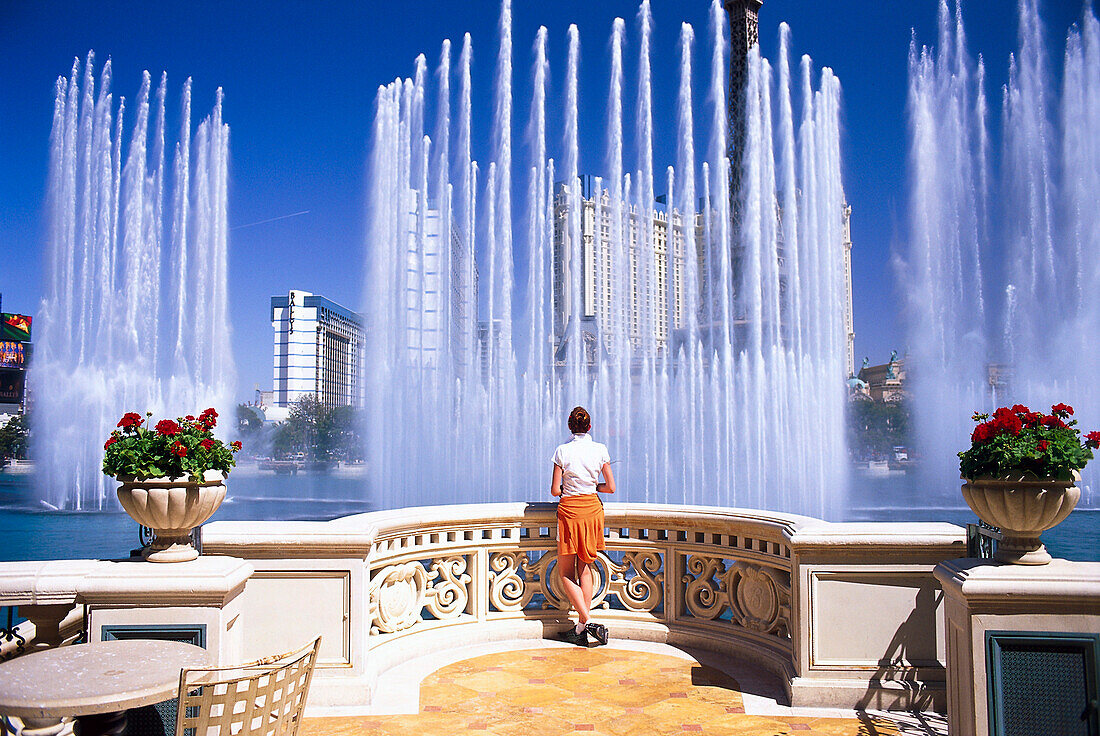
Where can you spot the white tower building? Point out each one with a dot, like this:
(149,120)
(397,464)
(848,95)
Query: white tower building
(651,274)
(318,350)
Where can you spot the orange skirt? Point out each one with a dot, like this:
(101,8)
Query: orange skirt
(580,526)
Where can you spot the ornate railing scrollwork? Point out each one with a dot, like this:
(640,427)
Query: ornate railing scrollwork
(704,593)
(734,578)
(508,591)
(449,597)
(642,591)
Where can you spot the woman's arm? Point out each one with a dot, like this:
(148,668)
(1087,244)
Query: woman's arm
(555,482)
(608,486)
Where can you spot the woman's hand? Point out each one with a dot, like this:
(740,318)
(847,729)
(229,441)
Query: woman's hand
(555,482)
(608,486)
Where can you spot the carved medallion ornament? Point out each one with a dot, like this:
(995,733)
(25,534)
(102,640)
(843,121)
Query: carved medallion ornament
(759,597)
(555,593)
(397,596)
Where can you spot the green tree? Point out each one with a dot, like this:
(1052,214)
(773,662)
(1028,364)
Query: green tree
(320,432)
(14,438)
(875,428)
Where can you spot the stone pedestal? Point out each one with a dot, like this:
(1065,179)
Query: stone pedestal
(869,616)
(982,596)
(196,601)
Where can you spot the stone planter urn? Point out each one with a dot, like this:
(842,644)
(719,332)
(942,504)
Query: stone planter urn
(1022,508)
(172,507)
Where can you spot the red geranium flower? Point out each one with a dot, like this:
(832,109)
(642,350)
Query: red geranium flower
(982,432)
(1062,410)
(1092,439)
(110,441)
(237,444)
(1004,420)
(1020,409)
(1052,421)
(179,449)
(168,428)
(1042,446)
(130,419)
(206,444)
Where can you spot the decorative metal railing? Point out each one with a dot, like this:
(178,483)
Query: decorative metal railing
(981,540)
(13,636)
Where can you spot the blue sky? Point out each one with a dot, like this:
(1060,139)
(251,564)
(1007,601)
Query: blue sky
(300,80)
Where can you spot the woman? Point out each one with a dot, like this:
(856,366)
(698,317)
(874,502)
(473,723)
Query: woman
(577,468)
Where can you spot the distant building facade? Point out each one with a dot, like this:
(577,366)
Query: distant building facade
(650,287)
(318,351)
(849,314)
(649,297)
(886,382)
(436,320)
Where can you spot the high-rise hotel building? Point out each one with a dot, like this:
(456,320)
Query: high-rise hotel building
(318,350)
(655,274)
(440,295)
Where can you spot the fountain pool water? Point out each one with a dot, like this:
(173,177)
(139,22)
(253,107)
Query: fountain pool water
(486,318)
(134,316)
(1004,255)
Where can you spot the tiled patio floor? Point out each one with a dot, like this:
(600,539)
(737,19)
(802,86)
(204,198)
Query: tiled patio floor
(604,690)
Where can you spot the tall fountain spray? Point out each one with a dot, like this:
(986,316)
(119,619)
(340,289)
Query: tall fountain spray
(1004,249)
(135,314)
(711,356)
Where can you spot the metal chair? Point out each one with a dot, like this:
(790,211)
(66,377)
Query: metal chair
(261,698)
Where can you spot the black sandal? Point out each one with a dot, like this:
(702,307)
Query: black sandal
(571,636)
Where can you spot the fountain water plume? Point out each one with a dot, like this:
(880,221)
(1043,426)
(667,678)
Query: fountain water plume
(135,311)
(698,349)
(1000,265)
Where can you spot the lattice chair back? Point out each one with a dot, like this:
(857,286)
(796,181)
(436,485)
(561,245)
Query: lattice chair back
(262,698)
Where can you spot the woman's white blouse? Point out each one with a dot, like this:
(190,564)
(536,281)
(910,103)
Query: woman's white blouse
(580,461)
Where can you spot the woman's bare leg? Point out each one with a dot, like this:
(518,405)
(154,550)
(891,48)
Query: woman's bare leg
(567,564)
(584,576)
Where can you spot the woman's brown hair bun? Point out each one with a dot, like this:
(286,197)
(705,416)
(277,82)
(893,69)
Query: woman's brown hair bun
(579,421)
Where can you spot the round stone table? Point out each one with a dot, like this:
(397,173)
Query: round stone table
(95,682)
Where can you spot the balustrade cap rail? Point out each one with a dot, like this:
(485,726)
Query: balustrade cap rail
(290,538)
(52,582)
(209,581)
(1059,583)
(848,535)
(361,527)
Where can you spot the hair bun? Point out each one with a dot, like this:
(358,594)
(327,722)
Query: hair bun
(579,420)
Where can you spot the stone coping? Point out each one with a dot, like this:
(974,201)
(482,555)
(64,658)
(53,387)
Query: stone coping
(207,581)
(1059,583)
(353,535)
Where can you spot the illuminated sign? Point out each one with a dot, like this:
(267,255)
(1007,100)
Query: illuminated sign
(12,354)
(15,327)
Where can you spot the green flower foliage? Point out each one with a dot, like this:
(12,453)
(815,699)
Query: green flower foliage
(172,449)
(1017,441)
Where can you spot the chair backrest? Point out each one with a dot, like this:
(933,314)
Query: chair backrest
(261,698)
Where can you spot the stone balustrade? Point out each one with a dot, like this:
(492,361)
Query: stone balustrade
(843,614)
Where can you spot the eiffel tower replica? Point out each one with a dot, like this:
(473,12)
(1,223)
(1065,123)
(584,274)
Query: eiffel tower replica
(744,20)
